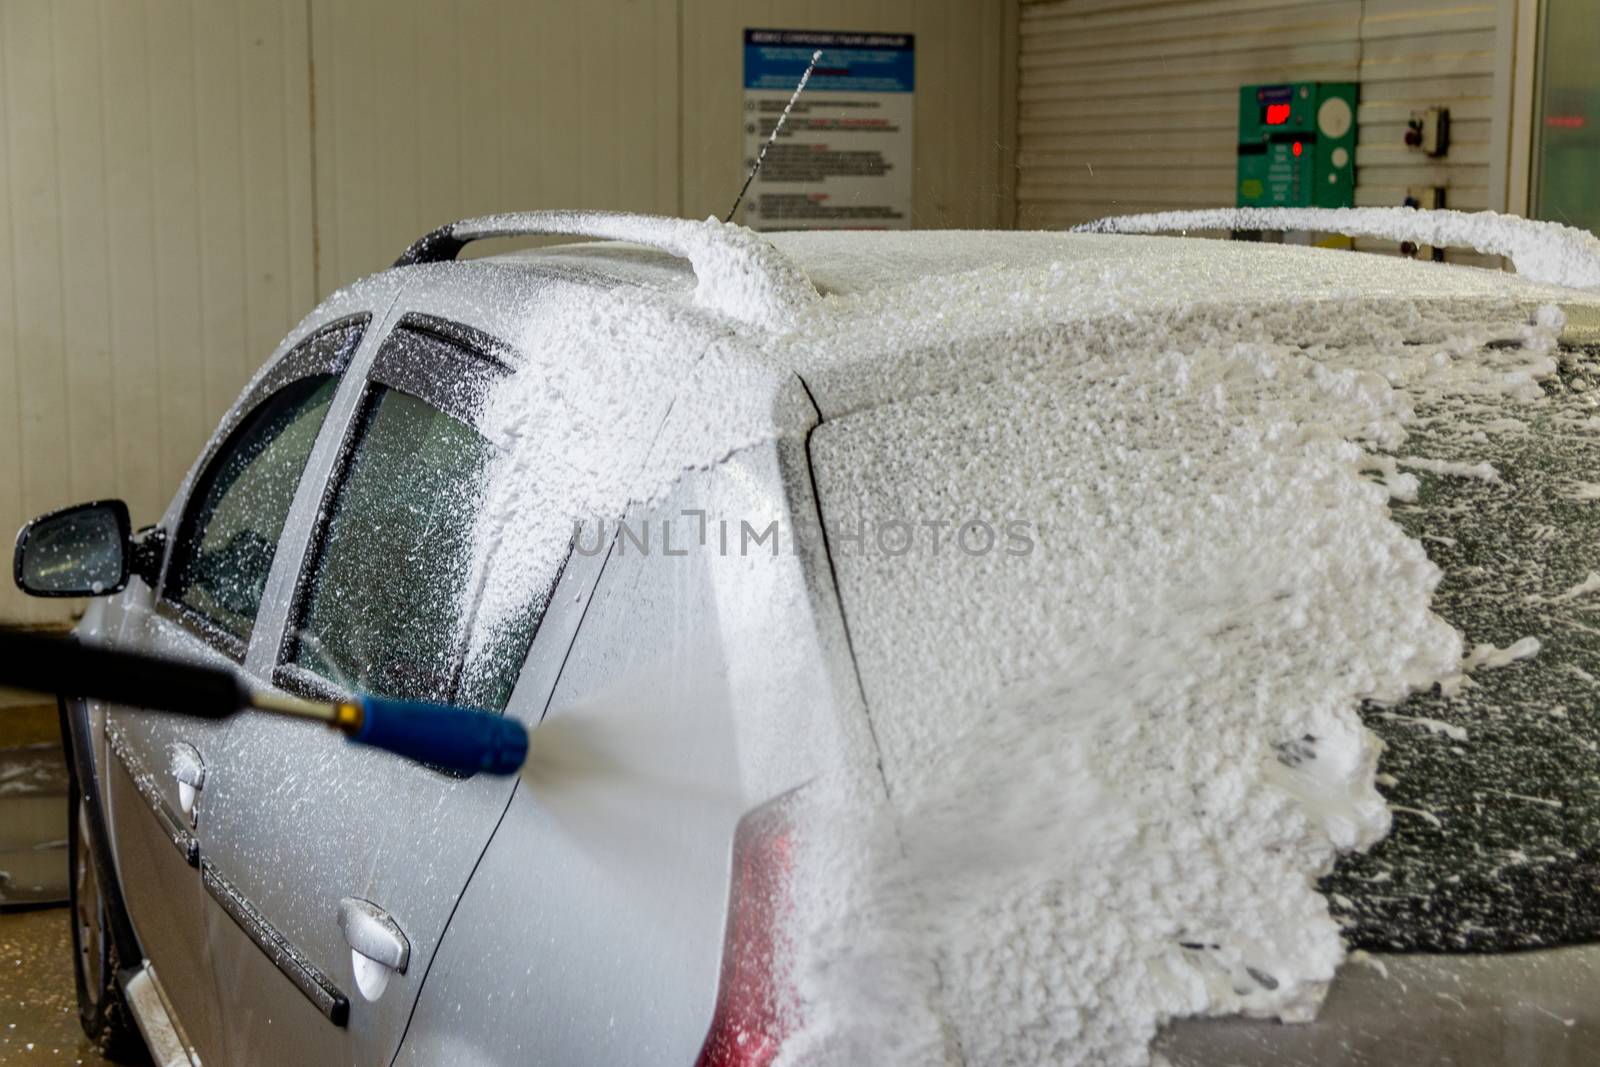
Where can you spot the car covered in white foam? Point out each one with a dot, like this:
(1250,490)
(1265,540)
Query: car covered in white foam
(936,647)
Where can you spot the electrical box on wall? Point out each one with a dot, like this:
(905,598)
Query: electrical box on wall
(1297,145)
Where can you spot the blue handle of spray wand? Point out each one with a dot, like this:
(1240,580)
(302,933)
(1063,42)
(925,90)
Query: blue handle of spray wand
(459,739)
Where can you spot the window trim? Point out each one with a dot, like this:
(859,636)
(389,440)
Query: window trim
(470,358)
(496,358)
(485,346)
(302,682)
(301,361)
(224,641)
(304,360)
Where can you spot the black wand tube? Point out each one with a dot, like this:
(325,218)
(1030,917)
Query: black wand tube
(71,668)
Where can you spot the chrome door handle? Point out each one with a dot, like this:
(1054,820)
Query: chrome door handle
(190,771)
(378,947)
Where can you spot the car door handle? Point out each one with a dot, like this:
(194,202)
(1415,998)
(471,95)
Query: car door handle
(378,947)
(190,771)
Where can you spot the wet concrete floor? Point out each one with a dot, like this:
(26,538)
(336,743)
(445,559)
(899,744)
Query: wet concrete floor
(38,1006)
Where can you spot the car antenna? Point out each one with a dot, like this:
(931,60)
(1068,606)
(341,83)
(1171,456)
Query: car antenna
(756,169)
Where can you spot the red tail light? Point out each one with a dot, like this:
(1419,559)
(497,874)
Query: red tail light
(753,1011)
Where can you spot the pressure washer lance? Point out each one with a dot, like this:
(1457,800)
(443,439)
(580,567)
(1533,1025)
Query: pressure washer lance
(454,738)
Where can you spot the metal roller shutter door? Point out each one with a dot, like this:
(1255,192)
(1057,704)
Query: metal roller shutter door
(1132,105)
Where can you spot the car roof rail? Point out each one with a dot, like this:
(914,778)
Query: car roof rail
(1540,251)
(738,273)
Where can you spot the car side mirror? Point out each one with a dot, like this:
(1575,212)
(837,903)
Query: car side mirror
(84,550)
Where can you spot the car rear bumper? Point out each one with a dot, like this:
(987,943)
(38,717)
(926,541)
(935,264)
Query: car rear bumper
(1528,1007)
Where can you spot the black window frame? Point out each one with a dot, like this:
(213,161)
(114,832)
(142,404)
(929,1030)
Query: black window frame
(445,364)
(310,358)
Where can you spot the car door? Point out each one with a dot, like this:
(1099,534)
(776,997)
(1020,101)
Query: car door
(224,537)
(337,867)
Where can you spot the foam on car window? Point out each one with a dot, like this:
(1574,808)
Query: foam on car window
(387,609)
(229,535)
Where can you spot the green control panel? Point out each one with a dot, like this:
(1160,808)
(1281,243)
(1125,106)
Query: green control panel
(1297,145)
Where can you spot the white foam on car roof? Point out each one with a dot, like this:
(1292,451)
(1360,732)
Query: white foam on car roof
(1118,763)
(1109,811)
(577,428)
(739,273)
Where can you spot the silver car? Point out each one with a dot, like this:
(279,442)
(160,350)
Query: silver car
(255,891)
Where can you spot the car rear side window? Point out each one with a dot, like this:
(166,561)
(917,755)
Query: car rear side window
(229,532)
(393,589)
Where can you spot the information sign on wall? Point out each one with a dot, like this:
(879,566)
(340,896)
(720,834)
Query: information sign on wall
(843,159)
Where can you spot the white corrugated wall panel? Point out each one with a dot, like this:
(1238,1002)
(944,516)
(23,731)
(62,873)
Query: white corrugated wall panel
(155,234)
(426,113)
(1132,105)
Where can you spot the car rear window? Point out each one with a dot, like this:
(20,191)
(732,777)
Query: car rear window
(1496,790)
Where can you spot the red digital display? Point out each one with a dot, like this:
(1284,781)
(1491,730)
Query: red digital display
(1277,114)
